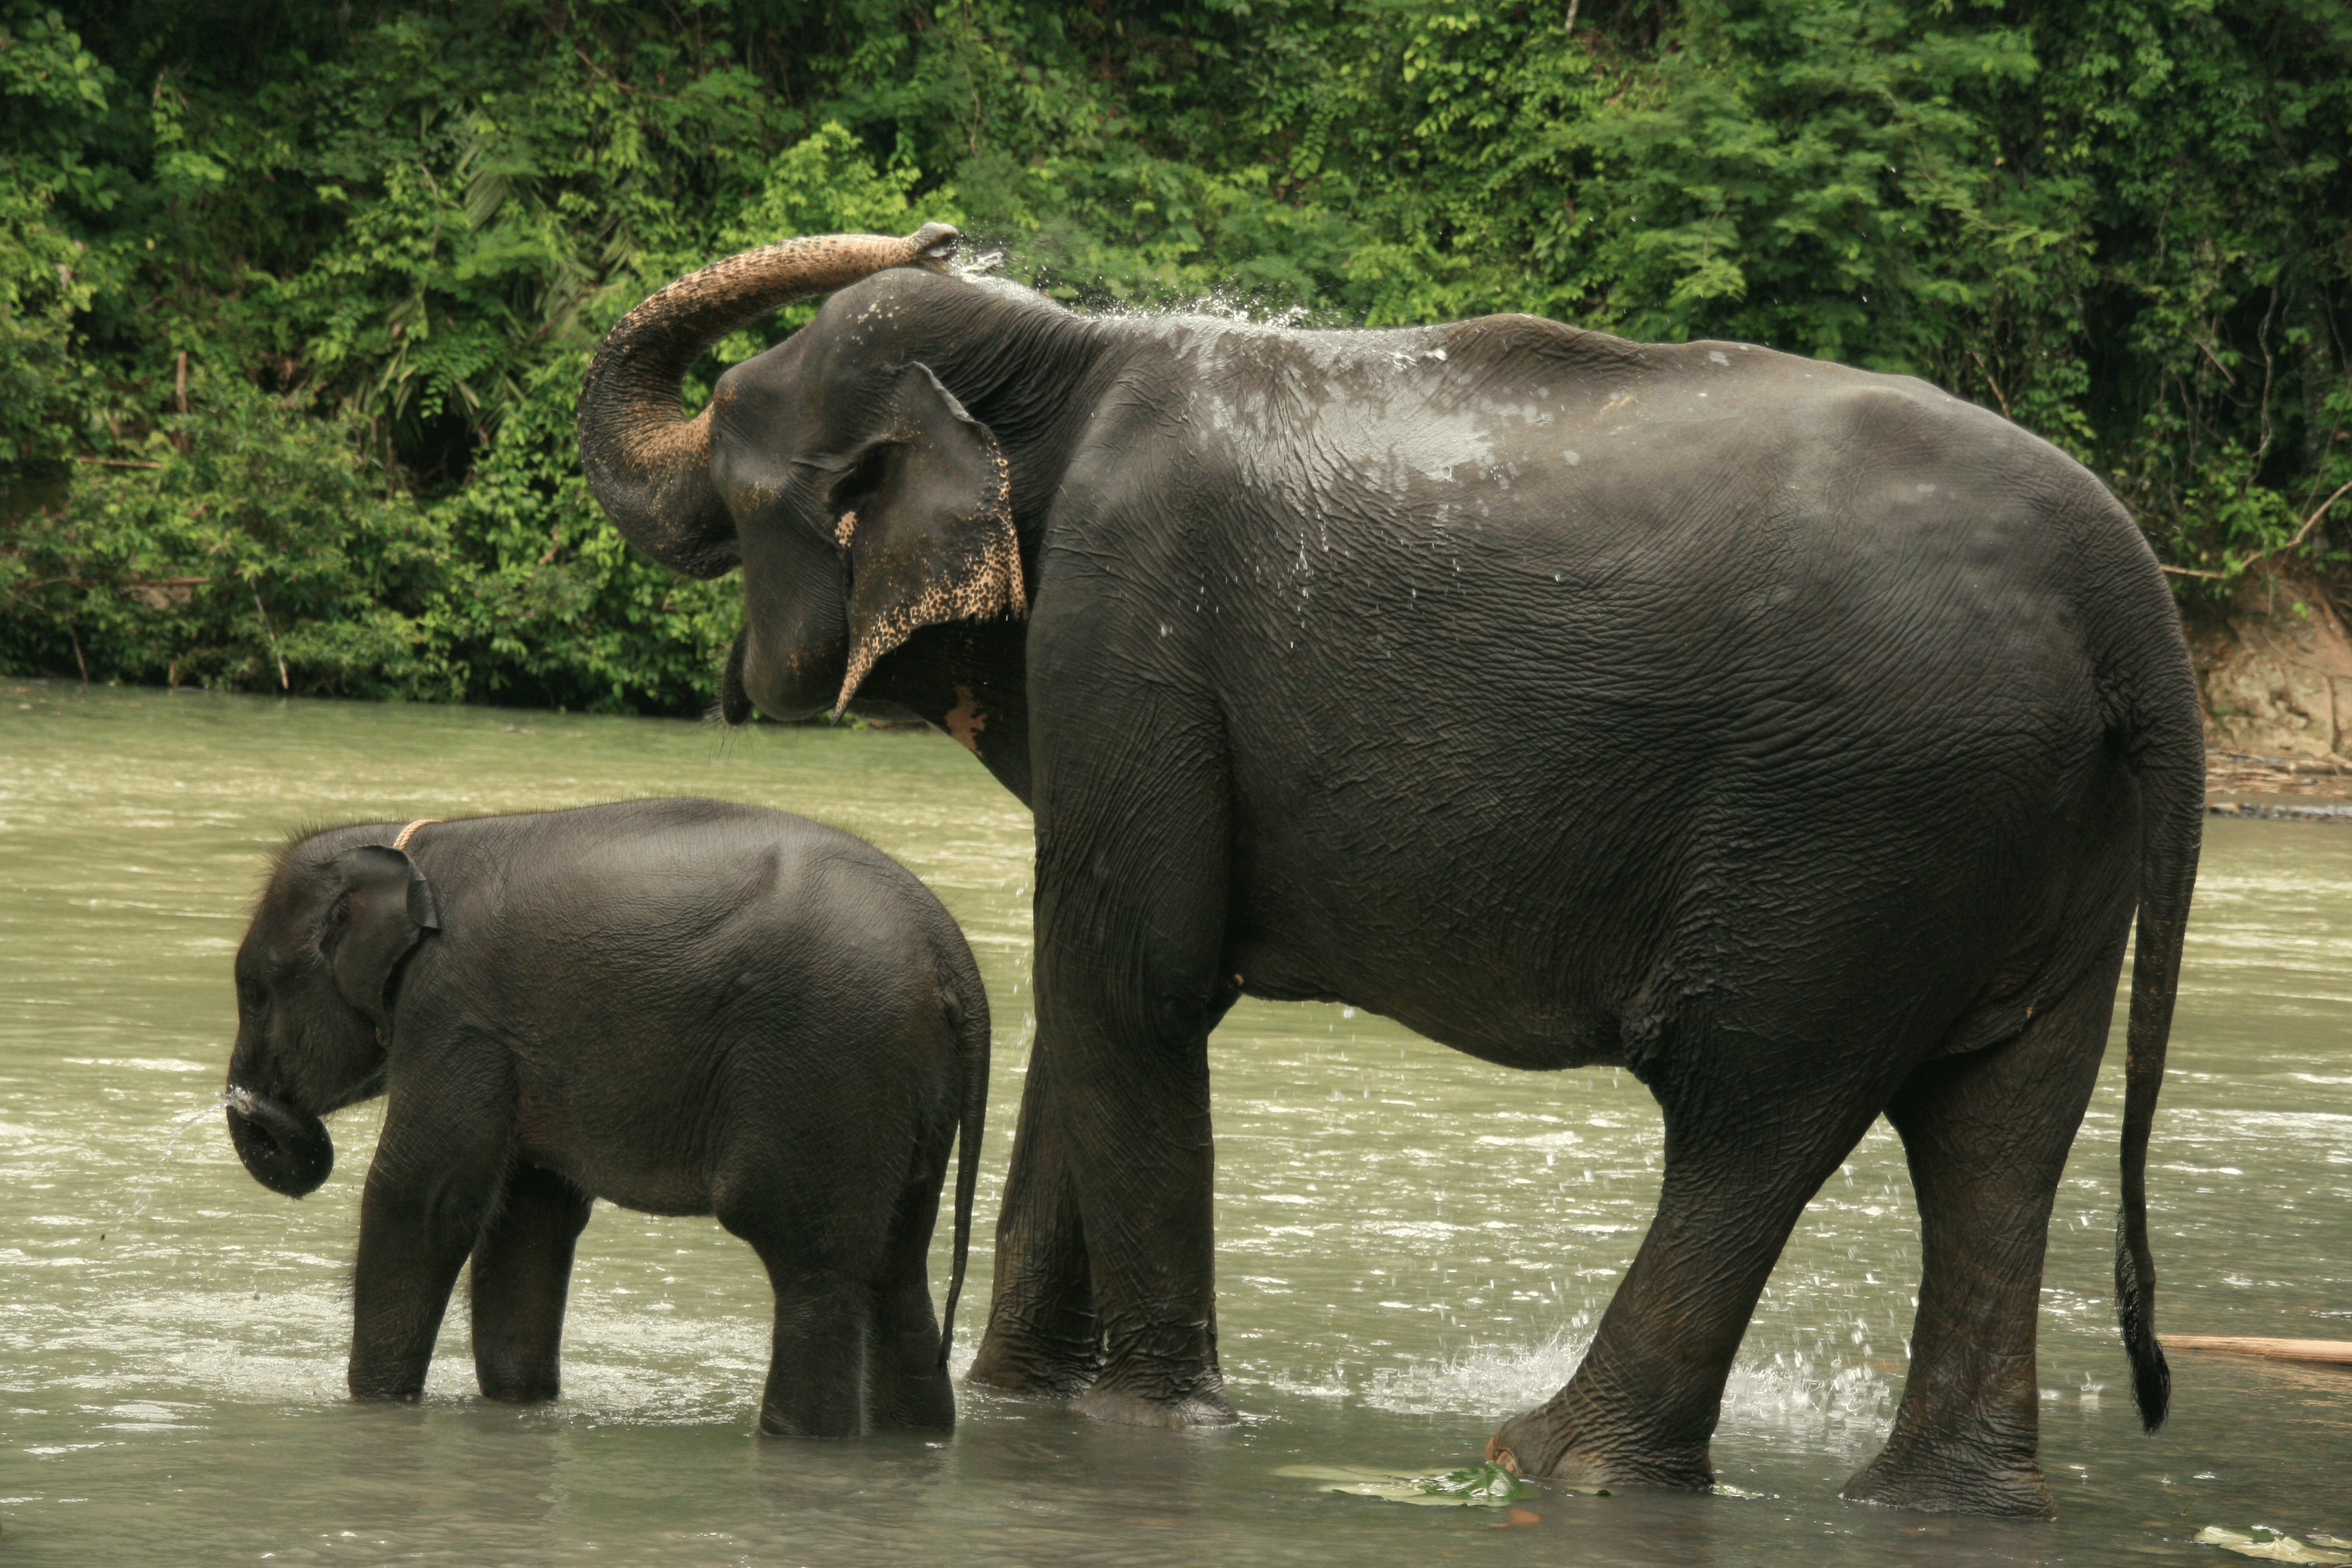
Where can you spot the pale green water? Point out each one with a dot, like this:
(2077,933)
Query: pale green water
(1410,1242)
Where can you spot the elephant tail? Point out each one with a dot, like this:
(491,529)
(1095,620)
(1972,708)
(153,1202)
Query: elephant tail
(2171,769)
(969,1020)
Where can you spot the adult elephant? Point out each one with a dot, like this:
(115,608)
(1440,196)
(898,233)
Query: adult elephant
(1798,738)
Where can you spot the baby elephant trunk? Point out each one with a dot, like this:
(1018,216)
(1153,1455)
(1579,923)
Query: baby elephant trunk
(287,1149)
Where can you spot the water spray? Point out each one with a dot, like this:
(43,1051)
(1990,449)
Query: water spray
(237,1099)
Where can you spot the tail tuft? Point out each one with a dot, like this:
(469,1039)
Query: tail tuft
(2136,1315)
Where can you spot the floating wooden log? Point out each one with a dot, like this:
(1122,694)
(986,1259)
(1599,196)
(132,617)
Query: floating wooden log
(2321,1352)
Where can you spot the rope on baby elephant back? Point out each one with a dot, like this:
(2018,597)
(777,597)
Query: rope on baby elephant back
(409,832)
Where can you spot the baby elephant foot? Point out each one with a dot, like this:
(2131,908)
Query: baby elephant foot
(525,1386)
(1541,1446)
(1208,1408)
(1960,1484)
(915,1402)
(516,1369)
(392,1384)
(823,1425)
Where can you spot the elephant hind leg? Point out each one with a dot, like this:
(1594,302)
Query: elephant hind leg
(906,1383)
(521,1273)
(1740,1169)
(1987,1136)
(817,1351)
(820,1265)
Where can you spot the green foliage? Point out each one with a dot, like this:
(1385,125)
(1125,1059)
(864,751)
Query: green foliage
(42,388)
(47,82)
(386,234)
(423,233)
(246,549)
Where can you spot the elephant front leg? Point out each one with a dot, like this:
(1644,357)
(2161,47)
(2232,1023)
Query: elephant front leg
(1131,877)
(521,1273)
(1042,1335)
(419,1218)
(1146,1160)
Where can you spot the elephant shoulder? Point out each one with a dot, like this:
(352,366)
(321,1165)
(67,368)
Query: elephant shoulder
(1139,469)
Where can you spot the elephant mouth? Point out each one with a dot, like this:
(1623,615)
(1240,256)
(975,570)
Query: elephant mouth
(288,1151)
(734,702)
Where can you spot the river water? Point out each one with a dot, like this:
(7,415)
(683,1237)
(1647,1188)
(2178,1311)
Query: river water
(1411,1244)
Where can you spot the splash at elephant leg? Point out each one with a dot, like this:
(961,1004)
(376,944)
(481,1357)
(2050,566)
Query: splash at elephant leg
(1642,1406)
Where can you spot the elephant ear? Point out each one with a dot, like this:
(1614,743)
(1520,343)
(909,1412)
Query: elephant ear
(382,904)
(925,520)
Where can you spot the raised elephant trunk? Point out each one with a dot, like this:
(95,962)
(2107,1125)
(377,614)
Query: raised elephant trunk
(649,467)
(288,1151)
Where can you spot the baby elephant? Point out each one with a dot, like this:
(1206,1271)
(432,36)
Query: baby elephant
(683,1006)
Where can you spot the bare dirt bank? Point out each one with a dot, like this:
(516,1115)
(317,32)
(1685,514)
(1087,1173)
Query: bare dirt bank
(2275,674)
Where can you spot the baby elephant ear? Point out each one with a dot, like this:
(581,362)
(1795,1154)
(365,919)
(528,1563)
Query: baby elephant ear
(928,526)
(384,904)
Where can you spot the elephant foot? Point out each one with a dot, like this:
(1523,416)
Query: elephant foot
(1541,1446)
(1208,1408)
(1032,1366)
(1954,1484)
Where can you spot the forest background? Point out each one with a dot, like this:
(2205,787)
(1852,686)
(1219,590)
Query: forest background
(295,299)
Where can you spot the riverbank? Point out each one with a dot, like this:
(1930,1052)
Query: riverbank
(2289,788)
(2274,678)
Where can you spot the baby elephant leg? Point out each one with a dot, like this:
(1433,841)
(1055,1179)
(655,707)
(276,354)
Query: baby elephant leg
(521,1270)
(816,1366)
(427,1192)
(816,1363)
(906,1381)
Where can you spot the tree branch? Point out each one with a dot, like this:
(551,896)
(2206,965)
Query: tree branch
(2300,535)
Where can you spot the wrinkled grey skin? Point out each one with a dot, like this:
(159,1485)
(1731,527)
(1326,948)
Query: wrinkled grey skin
(681,1006)
(1798,738)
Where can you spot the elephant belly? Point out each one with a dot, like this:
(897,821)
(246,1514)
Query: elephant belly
(605,1156)
(1537,1037)
(1502,978)
(1507,892)
(647,1192)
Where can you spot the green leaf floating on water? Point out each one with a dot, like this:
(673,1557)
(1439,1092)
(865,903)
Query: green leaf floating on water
(2278,1547)
(1481,1486)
